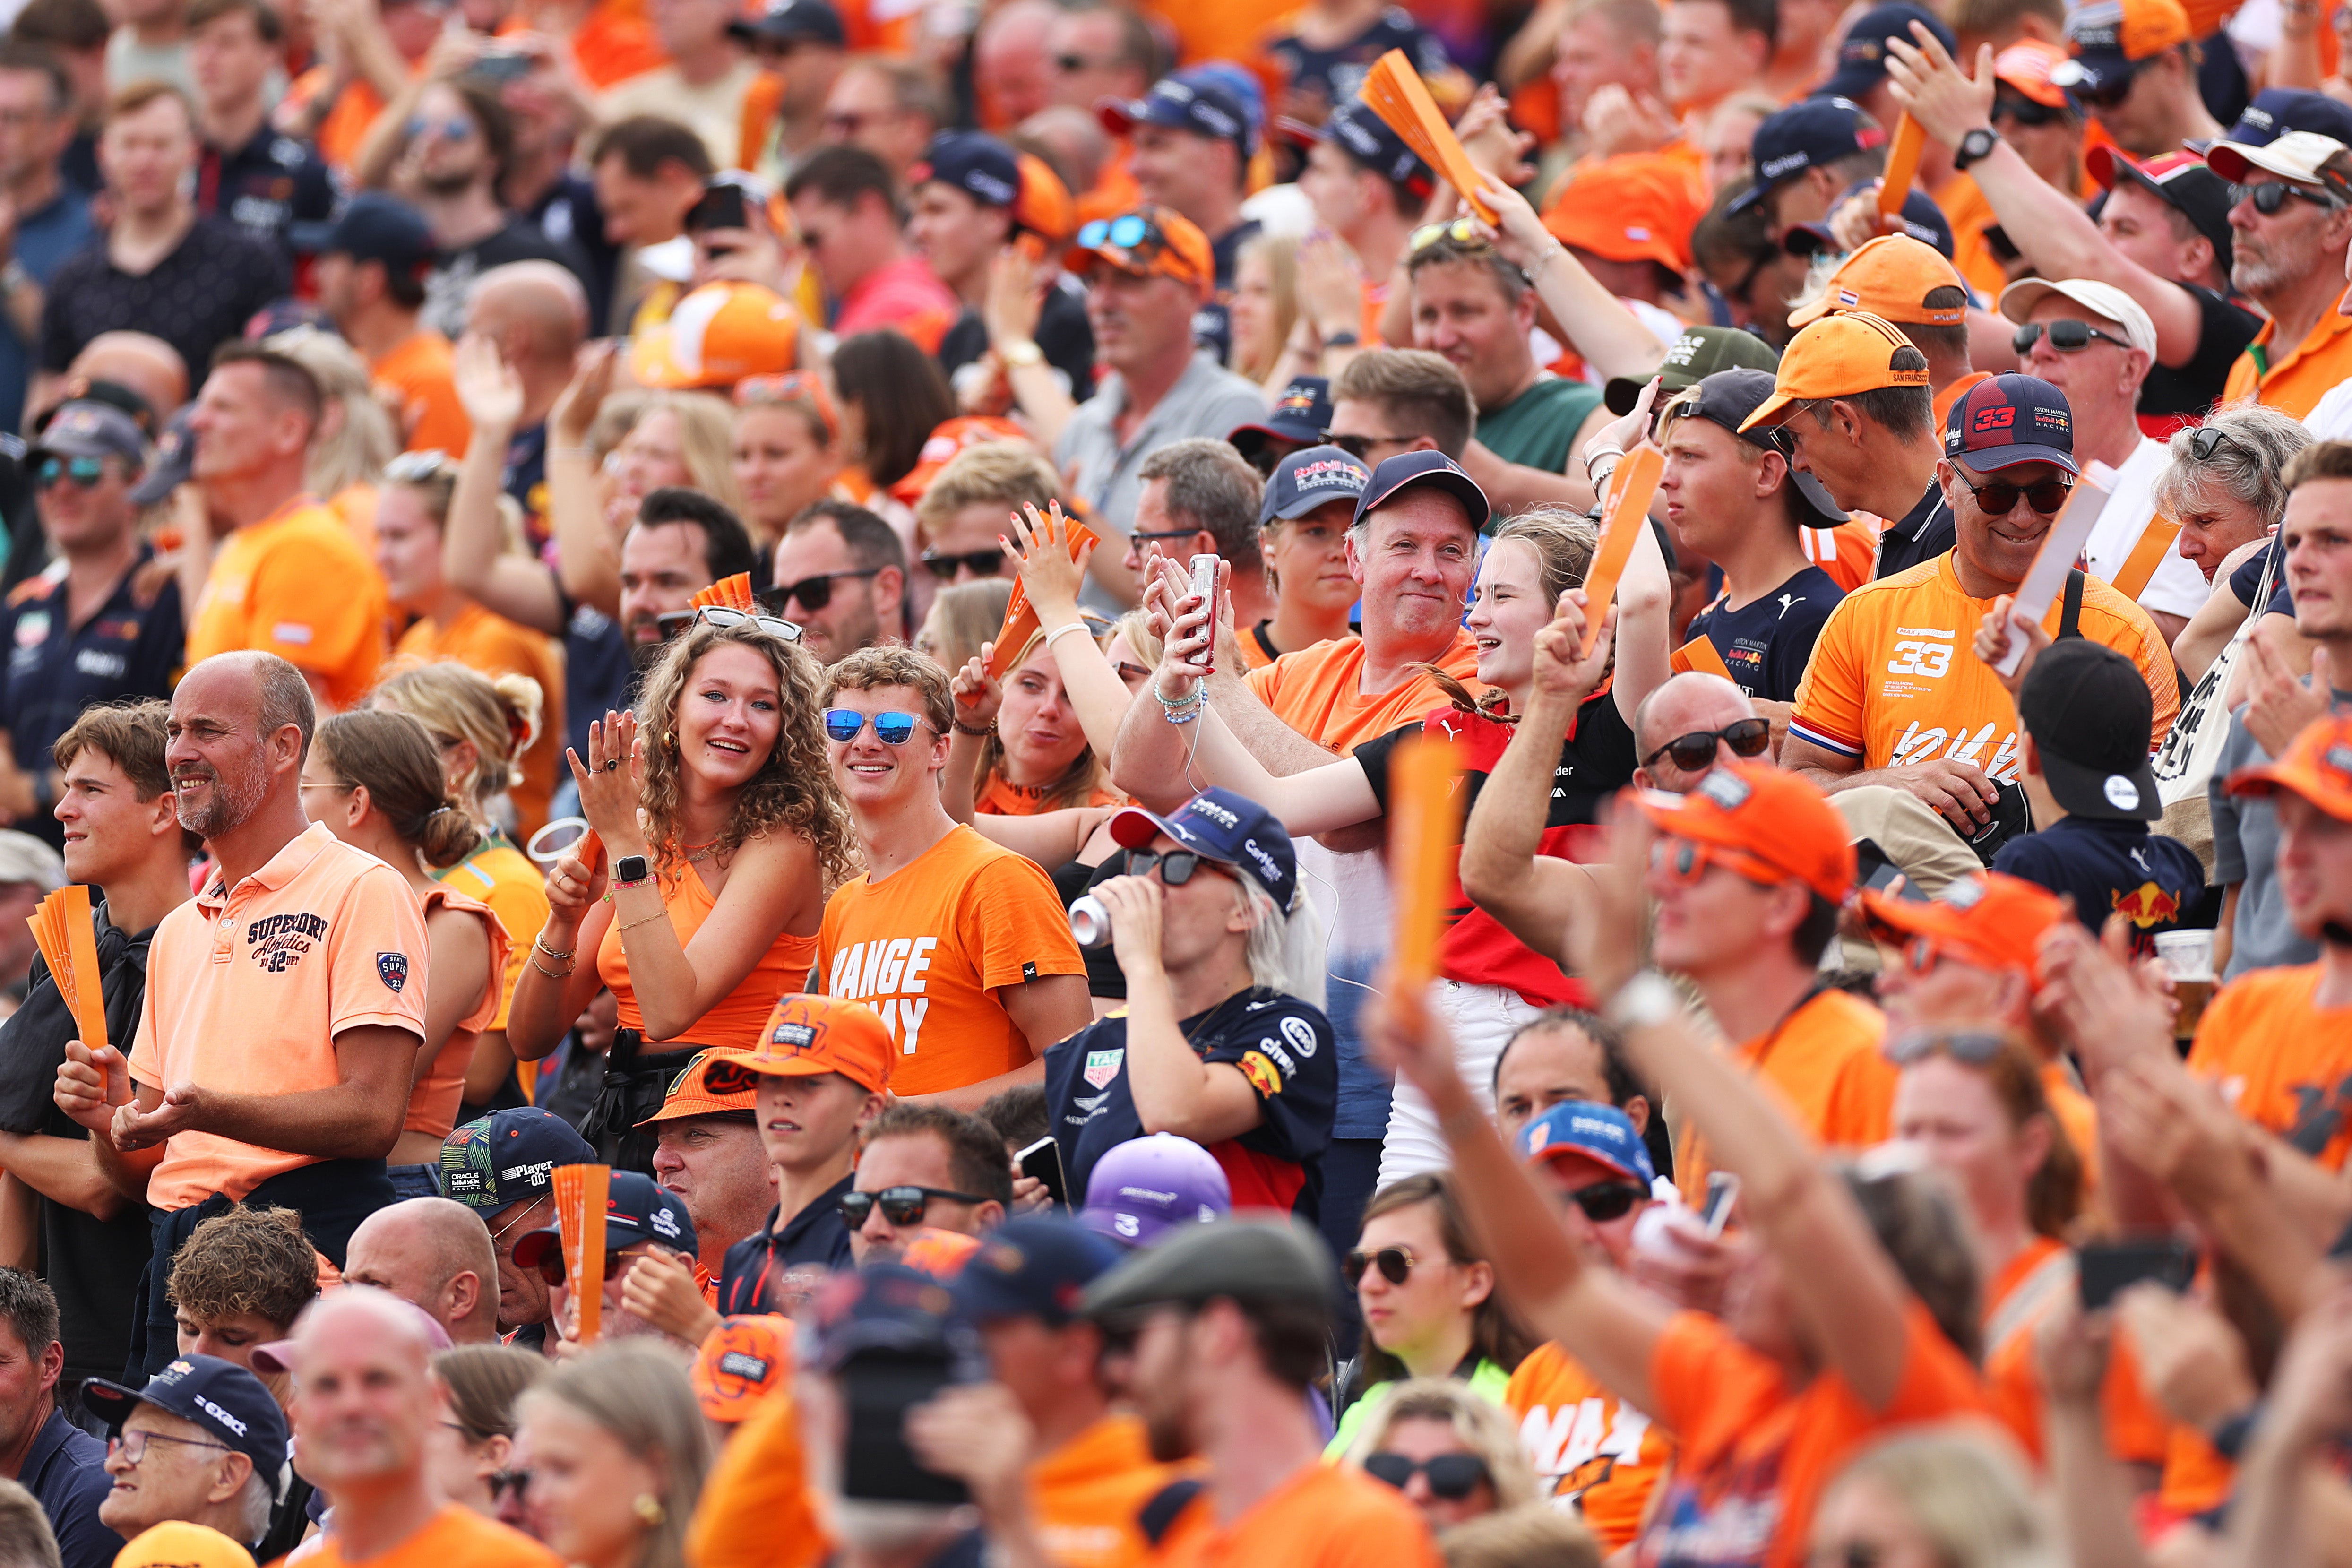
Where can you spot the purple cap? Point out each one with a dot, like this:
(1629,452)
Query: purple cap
(1600,1134)
(1146,1187)
(2009,420)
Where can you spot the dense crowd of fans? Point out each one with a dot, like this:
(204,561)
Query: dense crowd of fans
(822,609)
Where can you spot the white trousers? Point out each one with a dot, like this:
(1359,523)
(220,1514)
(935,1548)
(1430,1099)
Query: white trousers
(1482,1018)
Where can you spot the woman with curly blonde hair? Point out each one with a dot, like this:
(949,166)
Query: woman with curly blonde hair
(721,836)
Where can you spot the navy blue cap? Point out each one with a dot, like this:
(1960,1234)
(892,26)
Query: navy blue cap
(87,428)
(1923,220)
(1034,1266)
(2276,111)
(2009,420)
(1434,469)
(882,1307)
(1189,100)
(974,163)
(372,226)
(174,463)
(1230,830)
(1804,136)
(1601,1134)
(220,1396)
(636,1208)
(1299,415)
(1862,58)
(1310,477)
(1369,139)
(1727,398)
(509,1157)
(793,21)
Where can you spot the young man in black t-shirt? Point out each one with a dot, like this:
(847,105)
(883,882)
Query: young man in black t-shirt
(1733,500)
(1209,1045)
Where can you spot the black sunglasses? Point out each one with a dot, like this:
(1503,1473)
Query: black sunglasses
(2268,199)
(1360,447)
(1998,499)
(1451,1476)
(2109,96)
(504,1481)
(1605,1201)
(2208,441)
(2024,110)
(2066,336)
(1176,866)
(812,593)
(1395,1263)
(900,1205)
(550,1265)
(1746,737)
(983,564)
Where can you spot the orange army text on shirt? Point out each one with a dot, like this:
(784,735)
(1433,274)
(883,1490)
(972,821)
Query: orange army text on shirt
(248,986)
(928,947)
(294,584)
(1894,678)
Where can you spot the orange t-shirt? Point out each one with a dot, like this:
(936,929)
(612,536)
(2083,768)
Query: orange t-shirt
(614,44)
(1824,1063)
(929,947)
(2281,1061)
(1002,797)
(2293,382)
(1325,1516)
(457,1537)
(516,891)
(758,1510)
(420,377)
(495,645)
(248,986)
(1754,1453)
(1318,692)
(1894,678)
(432,1103)
(1952,392)
(2016,1300)
(1848,553)
(294,584)
(1592,1452)
(736,1018)
(1086,1495)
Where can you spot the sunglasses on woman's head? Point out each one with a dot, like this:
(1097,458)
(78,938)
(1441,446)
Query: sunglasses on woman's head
(1175,867)
(1746,737)
(2067,336)
(900,1205)
(1451,1476)
(844,724)
(722,616)
(1605,1201)
(84,472)
(419,467)
(981,563)
(2207,441)
(1395,1263)
(1999,498)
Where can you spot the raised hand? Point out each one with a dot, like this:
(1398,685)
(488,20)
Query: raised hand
(487,387)
(1049,572)
(612,781)
(592,381)
(1929,84)
(1134,905)
(986,693)
(1561,669)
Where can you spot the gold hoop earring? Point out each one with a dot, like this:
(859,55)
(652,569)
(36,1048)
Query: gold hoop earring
(669,741)
(650,1512)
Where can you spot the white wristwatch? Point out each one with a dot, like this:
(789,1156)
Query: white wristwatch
(1644,1001)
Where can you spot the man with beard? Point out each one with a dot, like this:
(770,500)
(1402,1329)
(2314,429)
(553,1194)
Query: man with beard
(255,422)
(682,542)
(459,142)
(2289,231)
(367,1404)
(1227,1325)
(278,1039)
(646,1229)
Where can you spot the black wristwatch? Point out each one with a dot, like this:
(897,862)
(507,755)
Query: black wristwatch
(629,870)
(1976,144)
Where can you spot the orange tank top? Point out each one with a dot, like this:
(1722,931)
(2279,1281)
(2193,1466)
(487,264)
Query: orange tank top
(432,1103)
(734,1020)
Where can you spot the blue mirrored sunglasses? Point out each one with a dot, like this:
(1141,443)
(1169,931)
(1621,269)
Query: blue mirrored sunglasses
(1126,231)
(844,724)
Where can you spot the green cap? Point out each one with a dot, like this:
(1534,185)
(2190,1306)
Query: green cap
(1698,353)
(1247,1260)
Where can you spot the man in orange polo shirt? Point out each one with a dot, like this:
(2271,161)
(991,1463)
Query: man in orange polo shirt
(1227,1322)
(2290,229)
(287,579)
(1096,1497)
(371,277)
(285,1002)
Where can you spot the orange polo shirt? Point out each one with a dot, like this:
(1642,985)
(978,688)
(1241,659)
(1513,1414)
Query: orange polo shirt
(418,378)
(248,986)
(1087,1495)
(2293,382)
(495,645)
(294,584)
(1325,1516)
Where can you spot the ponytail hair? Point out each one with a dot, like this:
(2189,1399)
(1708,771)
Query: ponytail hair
(392,756)
(502,715)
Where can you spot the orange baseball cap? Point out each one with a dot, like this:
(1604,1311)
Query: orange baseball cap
(1985,919)
(741,1362)
(176,1543)
(715,336)
(1891,277)
(689,1094)
(2317,766)
(2026,66)
(808,1036)
(1149,241)
(1836,356)
(941,1254)
(1638,207)
(1775,825)
(946,442)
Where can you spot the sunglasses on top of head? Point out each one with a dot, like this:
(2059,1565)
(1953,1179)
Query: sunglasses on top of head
(1999,498)
(674,622)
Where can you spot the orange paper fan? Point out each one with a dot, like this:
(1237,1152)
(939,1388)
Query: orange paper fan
(729,593)
(1627,513)
(68,943)
(1021,616)
(1902,164)
(1394,90)
(1424,830)
(581,1195)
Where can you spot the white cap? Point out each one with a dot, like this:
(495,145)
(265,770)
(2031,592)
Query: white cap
(25,859)
(2296,156)
(2017,300)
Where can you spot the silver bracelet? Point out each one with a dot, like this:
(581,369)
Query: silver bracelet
(1643,1002)
(1612,453)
